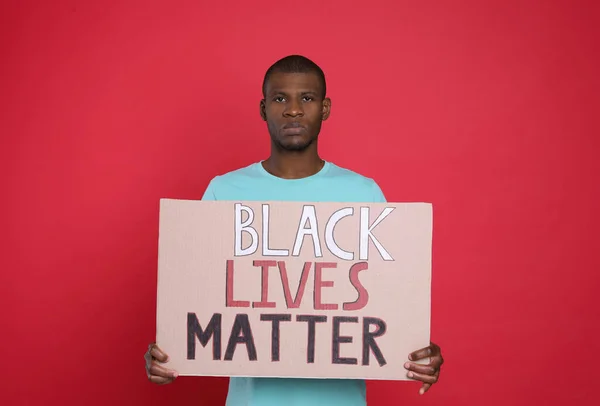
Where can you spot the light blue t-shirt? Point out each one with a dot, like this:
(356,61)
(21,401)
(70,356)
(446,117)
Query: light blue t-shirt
(331,184)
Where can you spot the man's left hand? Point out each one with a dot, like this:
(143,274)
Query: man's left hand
(426,373)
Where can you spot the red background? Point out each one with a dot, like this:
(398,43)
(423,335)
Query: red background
(488,109)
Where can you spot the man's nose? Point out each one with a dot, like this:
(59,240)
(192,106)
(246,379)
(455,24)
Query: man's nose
(293,109)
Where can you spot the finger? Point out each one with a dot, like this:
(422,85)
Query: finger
(423,377)
(159,380)
(420,354)
(160,371)
(158,354)
(428,369)
(427,386)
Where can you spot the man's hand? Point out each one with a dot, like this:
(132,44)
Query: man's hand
(428,373)
(157,373)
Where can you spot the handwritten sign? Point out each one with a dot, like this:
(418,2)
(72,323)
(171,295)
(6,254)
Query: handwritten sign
(290,289)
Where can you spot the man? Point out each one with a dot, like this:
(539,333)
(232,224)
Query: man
(294,107)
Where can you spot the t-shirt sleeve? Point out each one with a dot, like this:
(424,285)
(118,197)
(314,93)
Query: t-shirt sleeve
(209,193)
(378,196)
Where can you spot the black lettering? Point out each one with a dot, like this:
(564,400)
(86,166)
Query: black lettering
(369,340)
(241,325)
(195,330)
(310,348)
(275,319)
(337,340)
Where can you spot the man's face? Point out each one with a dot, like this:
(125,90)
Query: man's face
(294,109)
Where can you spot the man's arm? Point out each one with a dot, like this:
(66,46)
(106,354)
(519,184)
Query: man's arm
(378,196)
(210,192)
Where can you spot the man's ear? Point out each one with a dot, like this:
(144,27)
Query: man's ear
(326,109)
(263,111)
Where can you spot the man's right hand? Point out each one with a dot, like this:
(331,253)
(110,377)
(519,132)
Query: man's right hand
(157,373)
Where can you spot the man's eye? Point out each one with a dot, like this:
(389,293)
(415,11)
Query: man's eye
(279,99)
(307,98)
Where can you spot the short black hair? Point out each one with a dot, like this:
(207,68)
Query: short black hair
(295,64)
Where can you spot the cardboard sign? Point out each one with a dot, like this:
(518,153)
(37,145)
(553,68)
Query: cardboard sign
(288,289)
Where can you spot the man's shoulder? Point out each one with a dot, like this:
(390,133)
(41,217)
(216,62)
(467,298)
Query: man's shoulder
(224,184)
(243,173)
(348,175)
(353,185)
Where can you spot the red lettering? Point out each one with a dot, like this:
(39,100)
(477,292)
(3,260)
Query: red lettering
(363,294)
(265,265)
(229,302)
(320,283)
(286,284)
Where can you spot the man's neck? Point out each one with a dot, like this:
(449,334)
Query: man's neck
(293,165)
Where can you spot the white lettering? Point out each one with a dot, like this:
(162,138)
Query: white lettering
(244,226)
(365,234)
(308,214)
(330,240)
(265,237)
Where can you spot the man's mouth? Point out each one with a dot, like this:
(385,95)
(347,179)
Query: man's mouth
(293,129)
(292,125)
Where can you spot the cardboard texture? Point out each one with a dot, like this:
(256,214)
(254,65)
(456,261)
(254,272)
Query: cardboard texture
(291,289)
